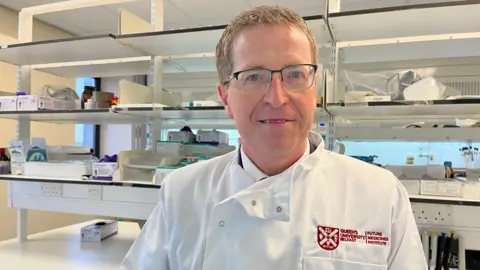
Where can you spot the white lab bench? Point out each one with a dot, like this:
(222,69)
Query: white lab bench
(129,200)
(61,249)
(103,198)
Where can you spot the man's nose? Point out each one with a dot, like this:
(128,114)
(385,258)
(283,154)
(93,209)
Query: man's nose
(277,94)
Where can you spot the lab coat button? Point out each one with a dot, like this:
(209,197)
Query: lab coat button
(254,203)
(279,209)
(221,223)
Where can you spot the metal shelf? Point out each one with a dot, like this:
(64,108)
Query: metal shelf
(403,21)
(194,115)
(67,50)
(427,52)
(199,40)
(127,67)
(24,178)
(378,111)
(408,134)
(128,115)
(443,200)
(101,68)
(98,116)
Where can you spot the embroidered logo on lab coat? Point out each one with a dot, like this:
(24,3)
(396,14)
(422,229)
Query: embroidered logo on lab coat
(329,238)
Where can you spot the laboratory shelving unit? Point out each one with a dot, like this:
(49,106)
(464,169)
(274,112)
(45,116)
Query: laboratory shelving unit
(413,36)
(440,37)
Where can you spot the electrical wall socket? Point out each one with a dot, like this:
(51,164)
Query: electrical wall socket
(436,214)
(51,190)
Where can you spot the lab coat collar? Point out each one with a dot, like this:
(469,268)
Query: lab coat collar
(271,197)
(252,170)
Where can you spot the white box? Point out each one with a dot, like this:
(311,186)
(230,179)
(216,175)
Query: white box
(377,98)
(99,231)
(34,102)
(171,148)
(412,186)
(162,172)
(206,103)
(104,169)
(207,150)
(8,103)
(181,136)
(69,170)
(212,136)
(441,188)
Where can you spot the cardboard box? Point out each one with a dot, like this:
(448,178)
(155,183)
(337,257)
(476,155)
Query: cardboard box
(100,96)
(441,188)
(34,103)
(99,231)
(104,170)
(104,104)
(8,103)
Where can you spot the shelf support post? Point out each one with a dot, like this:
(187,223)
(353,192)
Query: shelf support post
(24,76)
(156,73)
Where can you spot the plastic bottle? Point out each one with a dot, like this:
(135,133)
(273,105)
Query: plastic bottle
(90,104)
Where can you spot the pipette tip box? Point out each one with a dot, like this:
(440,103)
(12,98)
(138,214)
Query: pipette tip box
(99,231)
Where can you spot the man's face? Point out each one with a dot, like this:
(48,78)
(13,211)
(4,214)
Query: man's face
(272,119)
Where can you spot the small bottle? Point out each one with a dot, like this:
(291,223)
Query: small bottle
(410,160)
(90,104)
(87,94)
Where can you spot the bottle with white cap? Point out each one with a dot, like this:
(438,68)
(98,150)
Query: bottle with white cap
(90,104)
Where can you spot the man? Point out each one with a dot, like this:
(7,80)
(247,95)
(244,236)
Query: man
(281,201)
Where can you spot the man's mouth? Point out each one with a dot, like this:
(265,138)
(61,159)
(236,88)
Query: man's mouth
(275,121)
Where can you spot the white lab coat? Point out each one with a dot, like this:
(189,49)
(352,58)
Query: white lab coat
(330,212)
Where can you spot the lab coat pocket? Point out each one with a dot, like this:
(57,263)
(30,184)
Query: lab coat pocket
(318,263)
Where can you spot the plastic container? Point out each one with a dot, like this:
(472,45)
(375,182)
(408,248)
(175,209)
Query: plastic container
(90,104)
(368,159)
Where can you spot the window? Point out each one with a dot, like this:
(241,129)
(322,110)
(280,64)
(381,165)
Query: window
(395,153)
(84,134)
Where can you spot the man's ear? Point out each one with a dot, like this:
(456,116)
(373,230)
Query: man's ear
(223,93)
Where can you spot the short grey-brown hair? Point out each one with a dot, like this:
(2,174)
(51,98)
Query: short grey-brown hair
(261,15)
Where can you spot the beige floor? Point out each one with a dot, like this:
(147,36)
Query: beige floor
(38,221)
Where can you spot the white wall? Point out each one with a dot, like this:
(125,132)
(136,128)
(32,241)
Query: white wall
(41,31)
(114,138)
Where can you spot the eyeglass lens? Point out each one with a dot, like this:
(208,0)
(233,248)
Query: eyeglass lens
(295,78)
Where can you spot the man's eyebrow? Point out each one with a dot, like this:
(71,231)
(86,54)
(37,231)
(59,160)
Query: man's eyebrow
(254,67)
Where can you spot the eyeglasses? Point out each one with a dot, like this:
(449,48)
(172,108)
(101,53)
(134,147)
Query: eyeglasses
(294,77)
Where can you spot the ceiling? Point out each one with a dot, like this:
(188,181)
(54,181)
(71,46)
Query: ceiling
(178,13)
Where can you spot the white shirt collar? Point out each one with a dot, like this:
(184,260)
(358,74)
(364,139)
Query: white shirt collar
(256,173)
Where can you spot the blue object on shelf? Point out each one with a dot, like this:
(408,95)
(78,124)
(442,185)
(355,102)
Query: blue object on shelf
(369,159)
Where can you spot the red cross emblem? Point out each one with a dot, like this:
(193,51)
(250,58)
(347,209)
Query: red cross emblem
(328,238)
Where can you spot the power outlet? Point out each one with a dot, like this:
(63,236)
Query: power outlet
(51,190)
(433,214)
